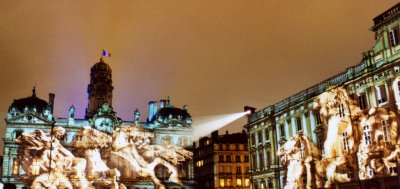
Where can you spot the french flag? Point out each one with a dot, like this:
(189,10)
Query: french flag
(106,54)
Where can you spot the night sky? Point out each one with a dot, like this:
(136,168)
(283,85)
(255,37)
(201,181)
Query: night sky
(214,56)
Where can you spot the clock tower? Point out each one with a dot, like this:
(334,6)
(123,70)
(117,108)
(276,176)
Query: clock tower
(100,87)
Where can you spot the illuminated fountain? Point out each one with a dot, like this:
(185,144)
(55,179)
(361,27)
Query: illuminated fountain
(93,162)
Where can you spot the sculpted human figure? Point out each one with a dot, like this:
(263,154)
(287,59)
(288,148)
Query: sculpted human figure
(298,153)
(51,159)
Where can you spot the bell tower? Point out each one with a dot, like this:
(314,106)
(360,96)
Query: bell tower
(100,87)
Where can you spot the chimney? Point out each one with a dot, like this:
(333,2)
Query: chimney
(162,103)
(51,101)
(155,108)
(227,132)
(214,136)
(151,111)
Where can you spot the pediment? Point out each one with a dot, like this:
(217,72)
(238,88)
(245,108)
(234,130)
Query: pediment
(29,118)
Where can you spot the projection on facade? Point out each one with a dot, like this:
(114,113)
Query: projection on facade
(100,151)
(358,144)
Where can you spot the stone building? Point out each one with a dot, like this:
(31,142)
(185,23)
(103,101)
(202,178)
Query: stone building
(222,161)
(32,130)
(342,131)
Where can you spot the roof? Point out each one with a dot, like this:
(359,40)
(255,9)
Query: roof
(30,102)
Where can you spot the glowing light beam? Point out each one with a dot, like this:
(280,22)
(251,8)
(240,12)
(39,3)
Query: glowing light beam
(206,124)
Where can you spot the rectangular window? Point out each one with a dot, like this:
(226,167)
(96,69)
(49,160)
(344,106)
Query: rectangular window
(254,158)
(282,130)
(228,182)
(345,142)
(266,135)
(15,167)
(247,182)
(381,94)
(238,182)
(221,169)
(268,157)
(238,170)
(298,124)
(321,145)
(246,158)
(228,169)
(253,139)
(228,158)
(362,101)
(341,110)
(261,157)
(221,158)
(237,158)
(386,130)
(260,138)
(317,118)
(221,182)
(394,37)
(367,134)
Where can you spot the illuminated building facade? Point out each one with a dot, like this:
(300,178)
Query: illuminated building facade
(100,151)
(342,132)
(222,161)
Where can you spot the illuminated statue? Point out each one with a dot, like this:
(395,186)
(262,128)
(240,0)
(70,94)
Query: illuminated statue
(353,138)
(137,116)
(46,160)
(133,145)
(71,112)
(88,143)
(299,153)
(378,152)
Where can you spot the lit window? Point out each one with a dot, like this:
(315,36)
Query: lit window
(35,167)
(228,182)
(15,168)
(221,182)
(238,182)
(247,182)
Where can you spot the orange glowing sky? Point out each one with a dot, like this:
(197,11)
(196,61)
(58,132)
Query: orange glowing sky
(215,56)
